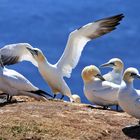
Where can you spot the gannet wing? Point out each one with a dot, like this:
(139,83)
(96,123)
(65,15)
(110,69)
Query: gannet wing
(78,39)
(107,76)
(14,53)
(106,87)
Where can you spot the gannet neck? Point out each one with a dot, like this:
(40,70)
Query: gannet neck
(41,59)
(118,69)
(129,84)
(118,72)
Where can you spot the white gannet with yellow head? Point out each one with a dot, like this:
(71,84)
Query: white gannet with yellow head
(54,74)
(116,74)
(129,97)
(97,90)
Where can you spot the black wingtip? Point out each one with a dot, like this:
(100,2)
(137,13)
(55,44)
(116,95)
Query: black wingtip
(117,17)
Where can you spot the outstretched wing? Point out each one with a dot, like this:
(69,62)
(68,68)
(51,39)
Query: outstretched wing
(14,53)
(78,39)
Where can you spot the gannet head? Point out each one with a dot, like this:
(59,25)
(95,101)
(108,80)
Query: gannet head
(130,74)
(76,98)
(37,54)
(90,72)
(114,63)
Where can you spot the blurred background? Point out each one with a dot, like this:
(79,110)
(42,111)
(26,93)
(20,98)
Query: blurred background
(46,24)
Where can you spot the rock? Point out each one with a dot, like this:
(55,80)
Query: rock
(57,120)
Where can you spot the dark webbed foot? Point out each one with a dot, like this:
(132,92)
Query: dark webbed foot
(117,107)
(62,97)
(54,96)
(105,107)
(9,98)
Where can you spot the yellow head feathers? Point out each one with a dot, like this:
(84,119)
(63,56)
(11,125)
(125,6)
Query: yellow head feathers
(89,72)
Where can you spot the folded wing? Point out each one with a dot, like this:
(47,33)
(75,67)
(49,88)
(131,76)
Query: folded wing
(78,39)
(17,81)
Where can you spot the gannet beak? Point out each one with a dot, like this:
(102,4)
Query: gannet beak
(100,77)
(137,76)
(107,65)
(32,51)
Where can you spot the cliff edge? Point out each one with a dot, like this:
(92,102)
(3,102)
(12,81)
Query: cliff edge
(57,120)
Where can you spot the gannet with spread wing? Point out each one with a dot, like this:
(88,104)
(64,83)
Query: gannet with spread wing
(53,74)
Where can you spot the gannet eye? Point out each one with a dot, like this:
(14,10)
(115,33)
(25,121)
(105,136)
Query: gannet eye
(36,52)
(133,74)
(112,63)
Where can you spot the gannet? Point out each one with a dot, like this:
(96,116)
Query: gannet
(116,74)
(129,97)
(13,83)
(96,89)
(54,74)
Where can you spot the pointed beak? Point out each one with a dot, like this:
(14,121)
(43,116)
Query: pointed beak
(105,65)
(111,64)
(32,51)
(100,77)
(137,76)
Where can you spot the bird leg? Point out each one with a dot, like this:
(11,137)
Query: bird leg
(62,97)
(10,98)
(54,96)
(6,95)
(117,107)
(105,107)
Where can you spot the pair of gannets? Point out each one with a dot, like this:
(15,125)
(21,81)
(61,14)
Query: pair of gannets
(103,90)
(54,74)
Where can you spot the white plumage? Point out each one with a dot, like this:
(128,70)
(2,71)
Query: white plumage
(97,90)
(14,53)
(14,84)
(129,97)
(114,76)
(53,74)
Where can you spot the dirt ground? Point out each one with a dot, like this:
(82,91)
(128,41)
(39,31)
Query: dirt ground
(57,120)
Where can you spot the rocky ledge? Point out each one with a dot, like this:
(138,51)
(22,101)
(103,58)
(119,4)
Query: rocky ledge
(57,120)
